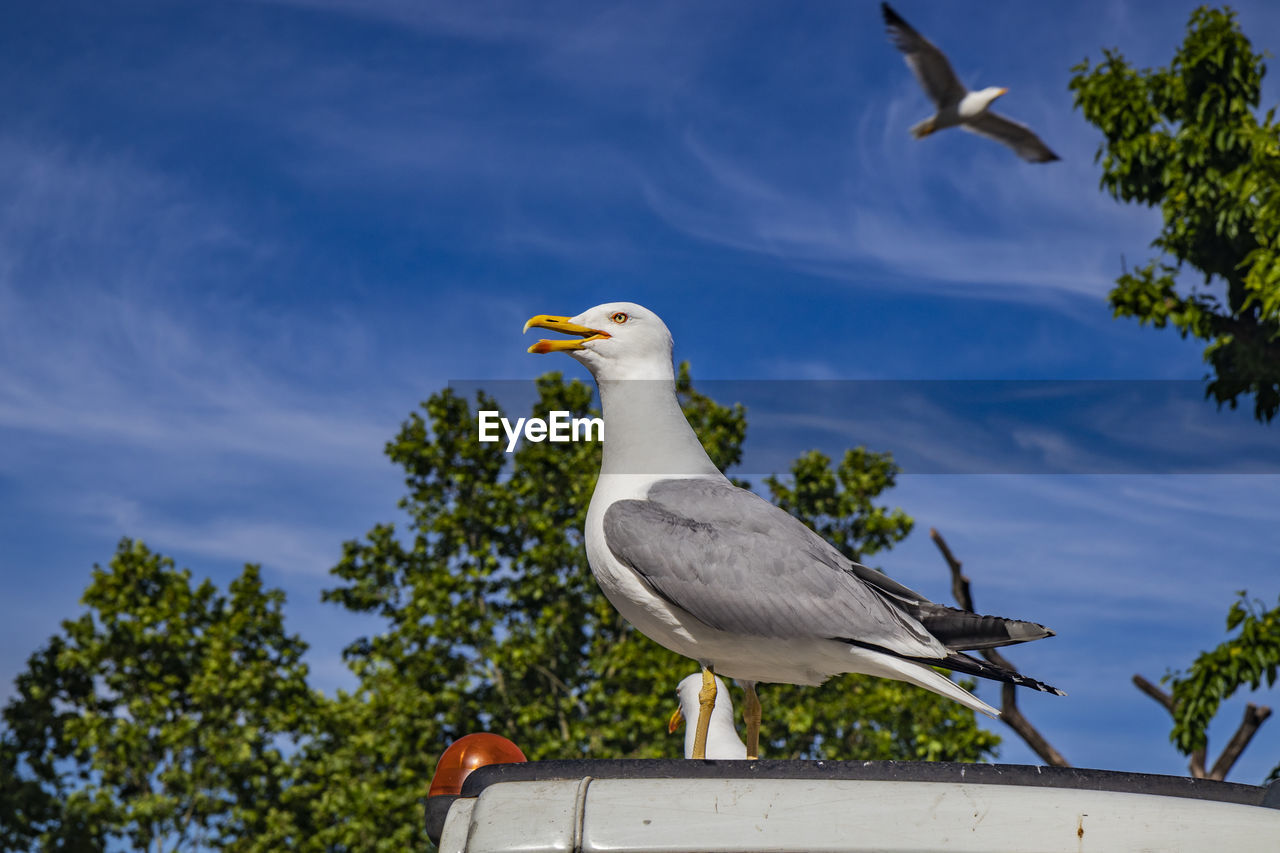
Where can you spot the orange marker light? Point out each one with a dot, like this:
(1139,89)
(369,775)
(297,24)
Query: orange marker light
(468,753)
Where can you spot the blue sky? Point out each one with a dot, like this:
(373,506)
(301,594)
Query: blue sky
(240,241)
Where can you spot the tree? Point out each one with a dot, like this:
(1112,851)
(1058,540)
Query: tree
(840,504)
(155,716)
(1251,657)
(1186,139)
(494,621)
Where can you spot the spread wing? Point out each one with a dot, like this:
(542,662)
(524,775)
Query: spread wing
(929,64)
(1017,136)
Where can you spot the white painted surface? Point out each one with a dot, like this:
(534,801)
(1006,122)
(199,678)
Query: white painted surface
(453,838)
(855,816)
(525,817)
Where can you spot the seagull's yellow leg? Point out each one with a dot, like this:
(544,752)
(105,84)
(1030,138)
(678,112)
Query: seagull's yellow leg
(751,713)
(706,701)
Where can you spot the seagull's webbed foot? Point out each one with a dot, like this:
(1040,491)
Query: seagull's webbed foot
(706,701)
(752,714)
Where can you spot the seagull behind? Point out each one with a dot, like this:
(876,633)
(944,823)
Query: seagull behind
(722,737)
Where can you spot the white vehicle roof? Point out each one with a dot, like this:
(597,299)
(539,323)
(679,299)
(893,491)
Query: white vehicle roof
(671,805)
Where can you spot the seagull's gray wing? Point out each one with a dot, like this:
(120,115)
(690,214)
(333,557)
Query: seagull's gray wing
(955,628)
(740,564)
(685,525)
(929,64)
(1017,136)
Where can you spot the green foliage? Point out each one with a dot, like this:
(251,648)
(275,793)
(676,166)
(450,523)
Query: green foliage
(154,716)
(494,621)
(840,504)
(1251,657)
(1186,139)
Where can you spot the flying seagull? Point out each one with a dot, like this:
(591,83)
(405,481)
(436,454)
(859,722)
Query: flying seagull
(720,575)
(722,737)
(956,105)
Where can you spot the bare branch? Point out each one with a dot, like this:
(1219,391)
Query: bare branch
(1009,711)
(1164,698)
(1198,756)
(960,589)
(1254,716)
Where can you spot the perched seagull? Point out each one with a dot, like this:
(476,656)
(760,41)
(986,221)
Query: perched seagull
(722,737)
(720,575)
(957,105)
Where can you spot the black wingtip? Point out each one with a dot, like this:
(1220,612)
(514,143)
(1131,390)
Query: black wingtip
(969,665)
(891,17)
(966,665)
(964,630)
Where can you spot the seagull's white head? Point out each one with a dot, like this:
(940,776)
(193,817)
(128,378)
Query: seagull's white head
(722,737)
(616,340)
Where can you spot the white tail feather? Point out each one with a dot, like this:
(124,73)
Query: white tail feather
(887,666)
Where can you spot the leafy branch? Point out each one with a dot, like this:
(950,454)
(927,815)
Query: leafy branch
(1249,658)
(1187,139)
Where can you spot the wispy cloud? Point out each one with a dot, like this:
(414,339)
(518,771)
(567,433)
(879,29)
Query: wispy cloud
(284,545)
(115,369)
(147,390)
(990,427)
(1012,229)
(1021,534)
(105,337)
(954,215)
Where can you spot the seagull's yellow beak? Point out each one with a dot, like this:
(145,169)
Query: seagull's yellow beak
(561,324)
(676,719)
(1003,91)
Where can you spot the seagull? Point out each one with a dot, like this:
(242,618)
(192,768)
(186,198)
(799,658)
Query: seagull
(722,737)
(956,105)
(718,574)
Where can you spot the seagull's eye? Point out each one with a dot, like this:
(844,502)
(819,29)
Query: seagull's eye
(619,318)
